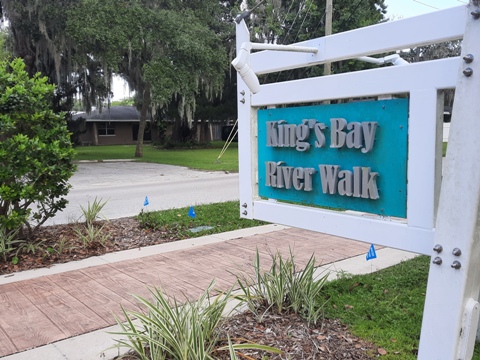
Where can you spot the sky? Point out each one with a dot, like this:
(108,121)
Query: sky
(396,9)
(120,89)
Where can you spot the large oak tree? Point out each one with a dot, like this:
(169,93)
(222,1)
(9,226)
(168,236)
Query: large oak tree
(166,50)
(173,53)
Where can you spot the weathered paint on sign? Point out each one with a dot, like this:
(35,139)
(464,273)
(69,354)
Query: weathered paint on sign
(349,156)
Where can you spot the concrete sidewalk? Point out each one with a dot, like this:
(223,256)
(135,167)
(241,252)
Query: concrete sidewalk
(65,312)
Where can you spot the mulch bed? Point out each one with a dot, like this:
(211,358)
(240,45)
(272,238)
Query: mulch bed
(330,339)
(123,234)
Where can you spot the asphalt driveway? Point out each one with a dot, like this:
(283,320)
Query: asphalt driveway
(125,185)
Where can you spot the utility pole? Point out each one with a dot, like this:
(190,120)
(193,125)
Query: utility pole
(328,31)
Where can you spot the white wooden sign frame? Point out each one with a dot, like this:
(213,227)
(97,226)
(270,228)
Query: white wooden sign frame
(421,80)
(451,311)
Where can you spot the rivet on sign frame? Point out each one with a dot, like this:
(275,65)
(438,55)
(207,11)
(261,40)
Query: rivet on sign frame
(456,265)
(468,58)
(468,72)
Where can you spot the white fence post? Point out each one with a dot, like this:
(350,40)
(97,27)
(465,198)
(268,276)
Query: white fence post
(451,308)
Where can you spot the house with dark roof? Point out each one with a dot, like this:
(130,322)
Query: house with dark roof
(117,125)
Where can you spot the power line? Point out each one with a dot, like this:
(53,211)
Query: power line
(351,14)
(430,6)
(303,21)
(285,19)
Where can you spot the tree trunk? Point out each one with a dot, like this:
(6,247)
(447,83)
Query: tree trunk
(143,121)
(181,131)
(203,132)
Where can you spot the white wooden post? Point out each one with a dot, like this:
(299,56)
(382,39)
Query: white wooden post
(246,134)
(451,308)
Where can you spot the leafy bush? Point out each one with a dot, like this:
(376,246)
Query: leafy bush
(35,151)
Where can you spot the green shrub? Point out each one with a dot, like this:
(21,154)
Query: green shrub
(35,151)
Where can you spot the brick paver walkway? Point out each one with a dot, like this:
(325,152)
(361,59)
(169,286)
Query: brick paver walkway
(55,307)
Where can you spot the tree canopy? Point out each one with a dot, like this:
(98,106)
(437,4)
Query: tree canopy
(168,51)
(174,54)
(287,22)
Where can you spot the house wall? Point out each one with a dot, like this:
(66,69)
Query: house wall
(212,130)
(123,135)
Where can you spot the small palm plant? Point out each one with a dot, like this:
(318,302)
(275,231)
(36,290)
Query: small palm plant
(93,211)
(170,330)
(283,287)
(89,232)
(8,242)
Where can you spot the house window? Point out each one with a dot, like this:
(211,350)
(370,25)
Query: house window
(106,129)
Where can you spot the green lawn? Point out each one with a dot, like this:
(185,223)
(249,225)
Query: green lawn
(197,158)
(209,219)
(384,307)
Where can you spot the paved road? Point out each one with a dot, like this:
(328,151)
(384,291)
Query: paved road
(126,184)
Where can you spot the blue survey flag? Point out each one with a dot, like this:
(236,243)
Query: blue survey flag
(371,253)
(191,213)
(145,203)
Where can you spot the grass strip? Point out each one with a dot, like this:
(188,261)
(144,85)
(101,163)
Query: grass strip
(197,158)
(383,307)
(217,218)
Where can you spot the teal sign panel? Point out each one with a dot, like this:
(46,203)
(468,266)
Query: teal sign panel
(343,156)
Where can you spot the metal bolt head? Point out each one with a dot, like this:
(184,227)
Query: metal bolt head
(244,205)
(468,58)
(476,14)
(457,252)
(437,261)
(242,92)
(438,248)
(242,101)
(468,72)
(245,212)
(456,265)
